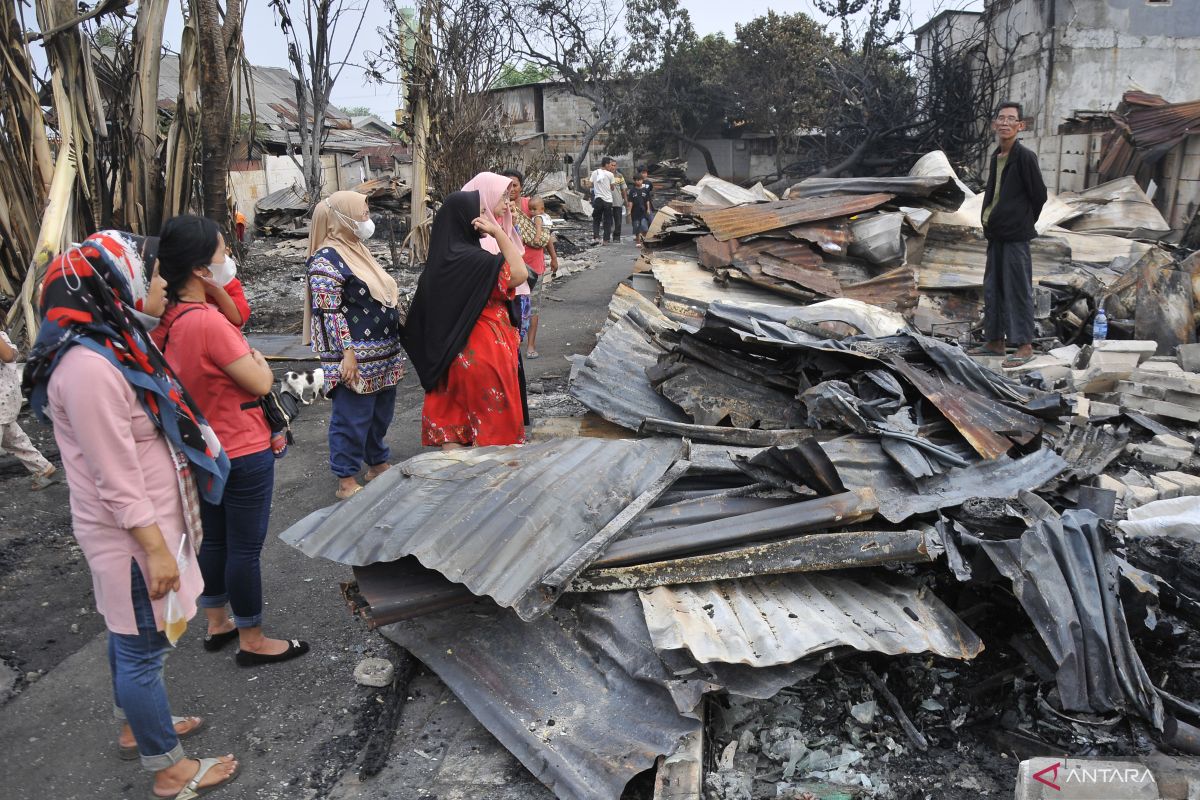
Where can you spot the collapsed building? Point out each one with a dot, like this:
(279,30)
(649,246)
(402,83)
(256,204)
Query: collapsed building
(803,545)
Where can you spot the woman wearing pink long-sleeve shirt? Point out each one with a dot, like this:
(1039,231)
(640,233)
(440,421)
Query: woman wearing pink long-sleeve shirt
(135,452)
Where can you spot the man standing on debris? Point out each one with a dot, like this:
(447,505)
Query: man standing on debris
(1012,202)
(602,199)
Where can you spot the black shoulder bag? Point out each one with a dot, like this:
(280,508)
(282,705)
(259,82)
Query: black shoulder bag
(279,408)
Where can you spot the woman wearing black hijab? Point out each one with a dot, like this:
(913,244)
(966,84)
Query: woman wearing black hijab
(458,333)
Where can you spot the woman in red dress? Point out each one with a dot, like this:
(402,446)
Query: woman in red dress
(458,333)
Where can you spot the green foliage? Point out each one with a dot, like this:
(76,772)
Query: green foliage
(511,75)
(779,60)
(357,111)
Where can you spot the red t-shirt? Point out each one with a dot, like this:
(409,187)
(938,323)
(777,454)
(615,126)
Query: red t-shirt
(238,295)
(198,348)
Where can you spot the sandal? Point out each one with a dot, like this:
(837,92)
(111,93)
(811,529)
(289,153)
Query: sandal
(370,476)
(45,479)
(532,354)
(1014,361)
(983,350)
(131,753)
(346,494)
(192,789)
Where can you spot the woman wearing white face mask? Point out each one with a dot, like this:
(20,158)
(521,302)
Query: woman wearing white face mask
(353,323)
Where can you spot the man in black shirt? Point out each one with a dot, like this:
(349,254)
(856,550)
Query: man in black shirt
(641,208)
(1012,202)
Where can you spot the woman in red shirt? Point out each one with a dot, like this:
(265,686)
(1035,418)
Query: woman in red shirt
(226,377)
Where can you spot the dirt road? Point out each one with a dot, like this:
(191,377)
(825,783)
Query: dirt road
(300,728)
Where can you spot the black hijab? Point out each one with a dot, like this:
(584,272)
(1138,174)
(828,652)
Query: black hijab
(452,291)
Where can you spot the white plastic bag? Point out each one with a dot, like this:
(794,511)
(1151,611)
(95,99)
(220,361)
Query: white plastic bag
(1178,516)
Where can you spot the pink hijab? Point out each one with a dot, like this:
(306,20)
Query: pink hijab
(492,189)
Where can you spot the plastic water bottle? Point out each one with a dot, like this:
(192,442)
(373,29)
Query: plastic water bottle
(1100,326)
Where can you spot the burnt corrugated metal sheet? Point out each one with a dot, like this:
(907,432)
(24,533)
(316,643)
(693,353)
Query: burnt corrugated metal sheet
(496,519)
(862,463)
(289,198)
(612,379)
(579,696)
(739,221)
(762,622)
(935,191)
(955,258)
(1066,581)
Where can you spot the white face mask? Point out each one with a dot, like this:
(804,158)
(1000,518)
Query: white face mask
(224,272)
(363,228)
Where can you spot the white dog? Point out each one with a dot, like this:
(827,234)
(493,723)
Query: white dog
(307,387)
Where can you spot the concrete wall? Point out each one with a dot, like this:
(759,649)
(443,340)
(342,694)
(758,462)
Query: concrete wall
(1072,56)
(564,112)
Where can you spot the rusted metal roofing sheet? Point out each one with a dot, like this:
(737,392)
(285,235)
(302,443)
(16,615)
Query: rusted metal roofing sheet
(739,221)
(936,191)
(989,427)
(688,289)
(895,289)
(764,621)
(495,519)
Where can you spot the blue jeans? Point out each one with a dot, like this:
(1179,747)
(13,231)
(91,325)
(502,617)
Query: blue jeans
(139,694)
(234,532)
(357,427)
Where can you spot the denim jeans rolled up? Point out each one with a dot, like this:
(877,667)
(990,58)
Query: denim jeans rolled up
(139,693)
(357,429)
(234,532)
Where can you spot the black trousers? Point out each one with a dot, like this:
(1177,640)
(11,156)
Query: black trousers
(618,214)
(1008,293)
(601,218)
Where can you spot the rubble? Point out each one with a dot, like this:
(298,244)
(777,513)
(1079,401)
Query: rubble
(812,548)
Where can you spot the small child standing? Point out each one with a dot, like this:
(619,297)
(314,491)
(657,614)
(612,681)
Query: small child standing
(641,208)
(537,212)
(12,439)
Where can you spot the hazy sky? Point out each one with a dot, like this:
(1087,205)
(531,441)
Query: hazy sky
(266,46)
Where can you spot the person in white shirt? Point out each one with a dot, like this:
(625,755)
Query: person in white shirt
(602,199)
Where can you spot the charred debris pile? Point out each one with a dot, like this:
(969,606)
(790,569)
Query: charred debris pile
(808,547)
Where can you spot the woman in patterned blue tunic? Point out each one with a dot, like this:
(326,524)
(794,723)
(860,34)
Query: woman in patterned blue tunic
(352,321)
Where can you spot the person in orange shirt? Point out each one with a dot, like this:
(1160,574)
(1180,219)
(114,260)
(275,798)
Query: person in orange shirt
(239,225)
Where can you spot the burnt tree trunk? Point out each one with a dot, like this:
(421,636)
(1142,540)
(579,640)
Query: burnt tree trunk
(216,119)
